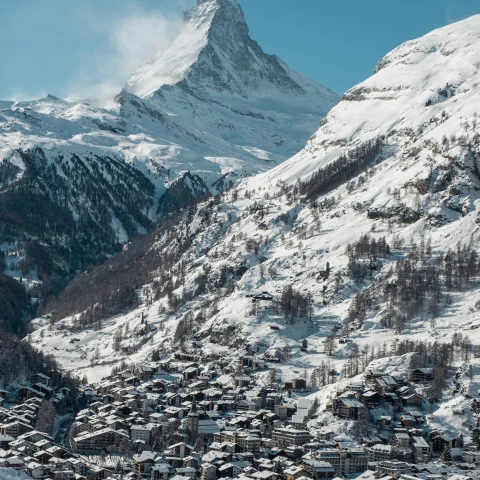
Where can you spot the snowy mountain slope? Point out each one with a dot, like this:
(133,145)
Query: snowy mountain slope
(80,178)
(225,85)
(396,158)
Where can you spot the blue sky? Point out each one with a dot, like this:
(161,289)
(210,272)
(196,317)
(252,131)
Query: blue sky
(89,47)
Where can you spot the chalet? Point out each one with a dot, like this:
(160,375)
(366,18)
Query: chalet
(65,475)
(420,375)
(317,469)
(380,453)
(400,379)
(163,471)
(187,472)
(45,389)
(190,373)
(412,400)
(57,452)
(356,387)
(173,399)
(15,462)
(41,379)
(348,408)
(418,416)
(385,422)
(440,440)
(27,392)
(471,457)
(407,421)
(390,384)
(421,450)
(393,469)
(143,462)
(284,437)
(35,436)
(392,399)
(285,410)
(293,472)
(241,381)
(249,443)
(174,412)
(140,432)
(99,439)
(401,439)
(23,446)
(14,429)
(244,405)
(181,450)
(345,461)
(5,440)
(253,362)
(371,375)
(144,372)
(265,475)
(405,390)
(43,444)
(42,457)
(296,384)
(372,399)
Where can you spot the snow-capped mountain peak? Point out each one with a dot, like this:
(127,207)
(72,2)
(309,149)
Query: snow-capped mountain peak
(213,53)
(171,64)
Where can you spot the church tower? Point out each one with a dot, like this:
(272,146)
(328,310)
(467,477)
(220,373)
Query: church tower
(192,423)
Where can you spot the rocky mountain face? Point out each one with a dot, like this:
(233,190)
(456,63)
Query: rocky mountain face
(371,231)
(79,179)
(214,78)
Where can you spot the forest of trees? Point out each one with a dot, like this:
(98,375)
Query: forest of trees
(339,171)
(155,259)
(46,418)
(417,285)
(366,248)
(110,288)
(40,209)
(15,306)
(19,360)
(293,304)
(438,355)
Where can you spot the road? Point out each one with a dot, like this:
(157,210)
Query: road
(61,437)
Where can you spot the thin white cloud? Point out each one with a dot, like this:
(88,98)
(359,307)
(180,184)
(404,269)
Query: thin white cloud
(129,38)
(18,95)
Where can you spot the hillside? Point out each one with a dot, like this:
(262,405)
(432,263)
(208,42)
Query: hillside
(365,240)
(78,179)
